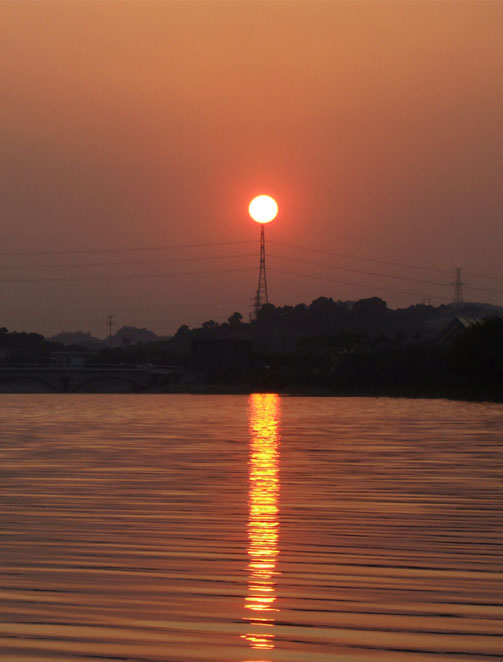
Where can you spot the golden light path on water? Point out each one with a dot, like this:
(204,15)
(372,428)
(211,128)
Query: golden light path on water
(263,524)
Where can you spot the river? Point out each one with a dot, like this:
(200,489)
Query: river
(181,528)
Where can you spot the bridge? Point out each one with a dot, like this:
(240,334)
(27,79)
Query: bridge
(47,378)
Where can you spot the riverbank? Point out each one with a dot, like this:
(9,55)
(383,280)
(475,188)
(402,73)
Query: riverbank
(291,391)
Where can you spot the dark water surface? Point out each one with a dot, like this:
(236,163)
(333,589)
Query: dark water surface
(178,528)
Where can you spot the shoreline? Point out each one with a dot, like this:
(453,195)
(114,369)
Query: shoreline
(293,392)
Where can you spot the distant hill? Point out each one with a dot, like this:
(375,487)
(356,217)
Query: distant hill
(126,335)
(79,338)
(131,335)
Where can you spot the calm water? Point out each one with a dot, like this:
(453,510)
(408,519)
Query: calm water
(176,528)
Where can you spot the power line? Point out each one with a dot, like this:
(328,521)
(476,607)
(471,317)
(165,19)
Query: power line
(165,247)
(483,289)
(126,263)
(356,257)
(372,273)
(350,283)
(76,279)
(88,251)
(219,257)
(123,277)
(360,271)
(472,275)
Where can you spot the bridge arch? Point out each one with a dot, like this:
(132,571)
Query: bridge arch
(13,379)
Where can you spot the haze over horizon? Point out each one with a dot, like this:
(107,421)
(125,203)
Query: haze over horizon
(128,127)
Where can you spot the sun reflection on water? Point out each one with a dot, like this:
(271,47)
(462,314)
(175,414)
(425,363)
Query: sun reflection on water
(263,524)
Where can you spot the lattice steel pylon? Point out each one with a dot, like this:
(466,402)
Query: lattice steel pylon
(110,321)
(458,287)
(261,296)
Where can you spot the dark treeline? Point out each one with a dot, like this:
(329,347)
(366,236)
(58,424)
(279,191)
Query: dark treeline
(327,347)
(361,348)
(21,347)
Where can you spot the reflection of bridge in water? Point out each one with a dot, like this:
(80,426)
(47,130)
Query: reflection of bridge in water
(43,378)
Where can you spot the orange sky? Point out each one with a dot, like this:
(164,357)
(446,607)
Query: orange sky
(377,125)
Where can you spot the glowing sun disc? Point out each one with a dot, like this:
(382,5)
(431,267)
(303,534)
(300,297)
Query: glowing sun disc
(263,209)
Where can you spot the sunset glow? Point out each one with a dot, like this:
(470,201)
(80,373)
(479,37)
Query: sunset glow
(263,209)
(251,332)
(349,114)
(263,524)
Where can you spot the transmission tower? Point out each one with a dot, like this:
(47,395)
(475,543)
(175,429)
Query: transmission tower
(458,287)
(110,321)
(262,209)
(261,296)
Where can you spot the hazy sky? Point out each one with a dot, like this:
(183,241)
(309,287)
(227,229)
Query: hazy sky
(136,125)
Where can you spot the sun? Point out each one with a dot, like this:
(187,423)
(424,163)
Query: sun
(263,209)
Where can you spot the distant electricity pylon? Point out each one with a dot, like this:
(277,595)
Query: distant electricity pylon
(263,209)
(110,321)
(458,287)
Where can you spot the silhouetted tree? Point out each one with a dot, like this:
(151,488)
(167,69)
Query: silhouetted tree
(235,319)
(372,306)
(182,331)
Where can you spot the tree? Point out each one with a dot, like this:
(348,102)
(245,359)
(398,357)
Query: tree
(235,319)
(371,306)
(182,331)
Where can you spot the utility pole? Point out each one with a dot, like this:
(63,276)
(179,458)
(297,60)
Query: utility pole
(458,287)
(110,321)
